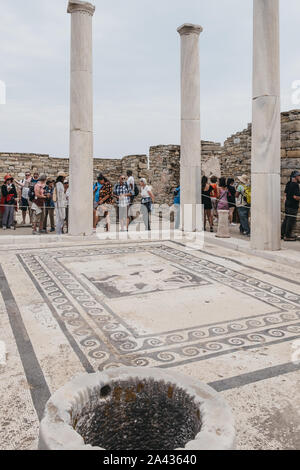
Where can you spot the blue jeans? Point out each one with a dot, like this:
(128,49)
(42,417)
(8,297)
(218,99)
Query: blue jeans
(8,216)
(146,211)
(244,219)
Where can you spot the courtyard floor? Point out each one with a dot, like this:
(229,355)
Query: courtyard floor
(229,319)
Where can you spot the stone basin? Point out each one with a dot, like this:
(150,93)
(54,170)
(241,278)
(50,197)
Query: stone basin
(136,409)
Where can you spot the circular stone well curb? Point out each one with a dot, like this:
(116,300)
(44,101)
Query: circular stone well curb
(57,426)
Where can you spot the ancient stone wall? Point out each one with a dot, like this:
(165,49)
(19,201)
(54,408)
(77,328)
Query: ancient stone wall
(164,172)
(17,163)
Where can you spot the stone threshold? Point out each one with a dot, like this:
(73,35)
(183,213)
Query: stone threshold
(44,241)
(285,256)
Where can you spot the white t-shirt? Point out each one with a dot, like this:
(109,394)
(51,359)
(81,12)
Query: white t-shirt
(130,183)
(25,188)
(145,191)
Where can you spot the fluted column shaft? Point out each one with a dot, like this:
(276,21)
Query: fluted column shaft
(81,119)
(266,134)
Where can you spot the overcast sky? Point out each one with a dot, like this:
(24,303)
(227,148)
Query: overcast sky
(136,71)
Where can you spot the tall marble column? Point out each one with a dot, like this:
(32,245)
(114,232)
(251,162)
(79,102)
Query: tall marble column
(266,133)
(190,163)
(81,119)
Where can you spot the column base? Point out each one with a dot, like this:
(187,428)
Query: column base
(265,212)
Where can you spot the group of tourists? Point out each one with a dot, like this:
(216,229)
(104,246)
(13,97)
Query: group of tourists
(45,198)
(39,197)
(221,194)
(236,196)
(122,197)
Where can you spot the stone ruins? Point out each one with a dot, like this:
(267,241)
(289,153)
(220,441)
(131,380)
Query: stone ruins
(255,151)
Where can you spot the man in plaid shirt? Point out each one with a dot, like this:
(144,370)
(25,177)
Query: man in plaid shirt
(123,195)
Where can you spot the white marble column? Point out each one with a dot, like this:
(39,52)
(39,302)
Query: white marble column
(81,119)
(190,163)
(266,134)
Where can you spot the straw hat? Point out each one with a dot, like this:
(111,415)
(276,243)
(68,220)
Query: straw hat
(62,173)
(243,179)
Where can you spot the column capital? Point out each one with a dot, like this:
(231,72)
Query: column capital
(188,28)
(78,5)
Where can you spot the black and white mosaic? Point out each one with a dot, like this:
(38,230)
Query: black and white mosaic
(107,340)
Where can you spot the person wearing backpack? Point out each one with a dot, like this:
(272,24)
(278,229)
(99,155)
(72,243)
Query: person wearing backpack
(134,190)
(123,196)
(106,201)
(38,205)
(24,184)
(49,206)
(130,182)
(177,207)
(96,189)
(243,203)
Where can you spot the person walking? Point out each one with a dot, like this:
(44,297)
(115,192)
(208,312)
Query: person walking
(147,201)
(123,196)
(177,207)
(105,200)
(96,189)
(60,202)
(292,198)
(8,202)
(207,191)
(38,205)
(134,193)
(49,206)
(243,202)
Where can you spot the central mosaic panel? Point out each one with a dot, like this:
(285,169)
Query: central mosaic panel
(136,274)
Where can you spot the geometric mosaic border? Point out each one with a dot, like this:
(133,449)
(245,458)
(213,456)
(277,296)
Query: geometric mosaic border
(106,340)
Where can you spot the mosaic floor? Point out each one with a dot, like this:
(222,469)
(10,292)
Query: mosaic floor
(229,319)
